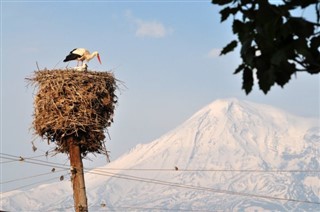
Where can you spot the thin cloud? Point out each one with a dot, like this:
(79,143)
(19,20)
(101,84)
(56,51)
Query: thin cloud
(214,53)
(153,29)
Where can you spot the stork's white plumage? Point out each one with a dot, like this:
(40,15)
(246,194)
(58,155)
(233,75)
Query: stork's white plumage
(84,67)
(81,54)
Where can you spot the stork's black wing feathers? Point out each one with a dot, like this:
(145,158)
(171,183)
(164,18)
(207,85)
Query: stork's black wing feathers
(73,50)
(71,57)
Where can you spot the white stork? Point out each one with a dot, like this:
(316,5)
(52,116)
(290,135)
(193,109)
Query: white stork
(81,54)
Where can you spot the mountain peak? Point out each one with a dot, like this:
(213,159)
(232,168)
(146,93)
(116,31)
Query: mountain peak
(223,104)
(227,131)
(236,111)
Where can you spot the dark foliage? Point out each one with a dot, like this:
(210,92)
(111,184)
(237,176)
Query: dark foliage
(274,43)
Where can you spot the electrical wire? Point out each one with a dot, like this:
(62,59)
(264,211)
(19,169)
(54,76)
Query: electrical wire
(34,161)
(17,158)
(211,170)
(35,183)
(30,177)
(127,208)
(153,181)
(7,161)
(172,184)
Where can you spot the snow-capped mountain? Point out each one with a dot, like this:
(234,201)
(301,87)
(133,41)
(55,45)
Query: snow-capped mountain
(231,155)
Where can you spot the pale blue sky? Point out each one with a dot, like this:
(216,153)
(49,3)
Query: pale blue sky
(164,52)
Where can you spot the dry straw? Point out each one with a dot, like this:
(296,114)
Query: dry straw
(74,104)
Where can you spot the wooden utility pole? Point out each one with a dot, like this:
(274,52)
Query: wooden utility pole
(77,177)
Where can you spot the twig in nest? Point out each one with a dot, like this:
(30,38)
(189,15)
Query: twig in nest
(37,66)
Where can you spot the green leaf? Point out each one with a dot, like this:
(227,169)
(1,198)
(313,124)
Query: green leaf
(244,30)
(278,57)
(229,47)
(315,42)
(301,27)
(226,12)
(266,81)
(239,69)
(247,80)
(237,26)
(265,73)
(283,73)
(265,13)
(248,52)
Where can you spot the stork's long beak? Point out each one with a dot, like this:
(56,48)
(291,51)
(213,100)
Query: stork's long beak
(98,56)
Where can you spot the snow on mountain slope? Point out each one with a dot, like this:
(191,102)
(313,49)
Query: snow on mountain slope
(228,157)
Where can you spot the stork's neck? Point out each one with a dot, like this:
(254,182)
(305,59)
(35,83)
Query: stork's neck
(92,55)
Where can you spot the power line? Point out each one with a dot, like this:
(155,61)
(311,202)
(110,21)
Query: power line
(31,160)
(212,170)
(148,180)
(34,161)
(17,158)
(126,208)
(31,157)
(30,177)
(8,161)
(54,209)
(31,184)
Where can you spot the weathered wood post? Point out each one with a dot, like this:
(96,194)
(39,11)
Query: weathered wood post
(72,110)
(77,177)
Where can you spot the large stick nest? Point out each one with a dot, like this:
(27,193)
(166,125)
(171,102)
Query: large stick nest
(74,104)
